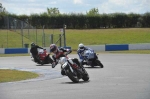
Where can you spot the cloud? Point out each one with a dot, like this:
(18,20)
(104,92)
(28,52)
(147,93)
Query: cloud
(77,1)
(124,6)
(78,6)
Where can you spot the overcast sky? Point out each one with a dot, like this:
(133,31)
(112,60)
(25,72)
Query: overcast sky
(76,6)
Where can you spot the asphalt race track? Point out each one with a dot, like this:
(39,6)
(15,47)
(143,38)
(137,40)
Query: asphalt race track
(124,76)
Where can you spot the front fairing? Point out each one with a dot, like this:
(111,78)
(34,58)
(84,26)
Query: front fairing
(66,67)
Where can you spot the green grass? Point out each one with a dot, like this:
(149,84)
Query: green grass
(7,75)
(107,36)
(88,37)
(11,39)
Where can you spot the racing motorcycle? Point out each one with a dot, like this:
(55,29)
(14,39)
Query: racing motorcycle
(43,57)
(91,59)
(71,67)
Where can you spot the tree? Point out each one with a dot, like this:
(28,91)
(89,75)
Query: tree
(1,7)
(146,19)
(53,11)
(132,19)
(93,11)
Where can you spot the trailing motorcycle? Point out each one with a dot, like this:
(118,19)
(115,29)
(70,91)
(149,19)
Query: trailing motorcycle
(72,69)
(91,59)
(43,57)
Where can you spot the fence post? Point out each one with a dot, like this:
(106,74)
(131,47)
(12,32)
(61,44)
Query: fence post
(36,34)
(60,39)
(7,29)
(28,31)
(51,39)
(22,32)
(43,37)
(64,26)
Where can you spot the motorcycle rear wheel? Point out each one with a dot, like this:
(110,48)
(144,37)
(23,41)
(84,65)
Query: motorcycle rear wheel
(98,63)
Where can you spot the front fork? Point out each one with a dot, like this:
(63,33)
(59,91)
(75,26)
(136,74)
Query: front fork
(75,66)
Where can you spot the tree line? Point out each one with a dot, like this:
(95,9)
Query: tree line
(91,20)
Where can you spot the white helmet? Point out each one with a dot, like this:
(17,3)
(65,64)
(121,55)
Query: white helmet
(81,46)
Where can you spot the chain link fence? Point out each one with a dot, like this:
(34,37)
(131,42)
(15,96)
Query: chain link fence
(18,34)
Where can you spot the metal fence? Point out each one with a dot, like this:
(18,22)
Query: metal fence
(25,34)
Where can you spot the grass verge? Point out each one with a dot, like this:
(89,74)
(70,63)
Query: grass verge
(7,75)
(12,55)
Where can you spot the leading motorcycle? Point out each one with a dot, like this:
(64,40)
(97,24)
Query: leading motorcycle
(72,69)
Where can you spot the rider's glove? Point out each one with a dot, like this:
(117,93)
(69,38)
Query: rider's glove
(54,64)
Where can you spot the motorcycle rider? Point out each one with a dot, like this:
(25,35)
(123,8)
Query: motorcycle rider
(59,52)
(80,52)
(34,51)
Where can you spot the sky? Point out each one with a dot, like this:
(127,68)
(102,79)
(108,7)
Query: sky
(29,7)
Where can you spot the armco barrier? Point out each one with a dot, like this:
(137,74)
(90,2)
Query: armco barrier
(2,50)
(97,47)
(16,50)
(140,46)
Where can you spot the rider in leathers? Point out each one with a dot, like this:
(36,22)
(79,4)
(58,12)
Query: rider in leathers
(80,52)
(34,51)
(58,52)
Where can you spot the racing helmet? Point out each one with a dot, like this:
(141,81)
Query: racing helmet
(33,44)
(81,46)
(53,48)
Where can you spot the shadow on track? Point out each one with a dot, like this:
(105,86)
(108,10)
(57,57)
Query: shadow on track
(80,82)
(93,67)
(44,65)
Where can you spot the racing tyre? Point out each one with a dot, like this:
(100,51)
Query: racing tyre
(85,75)
(73,77)
(98,63)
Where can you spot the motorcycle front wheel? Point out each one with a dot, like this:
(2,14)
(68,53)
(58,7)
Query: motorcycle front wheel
(73,77)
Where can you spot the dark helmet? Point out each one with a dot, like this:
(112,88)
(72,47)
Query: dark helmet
(53,47)
(33,44)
